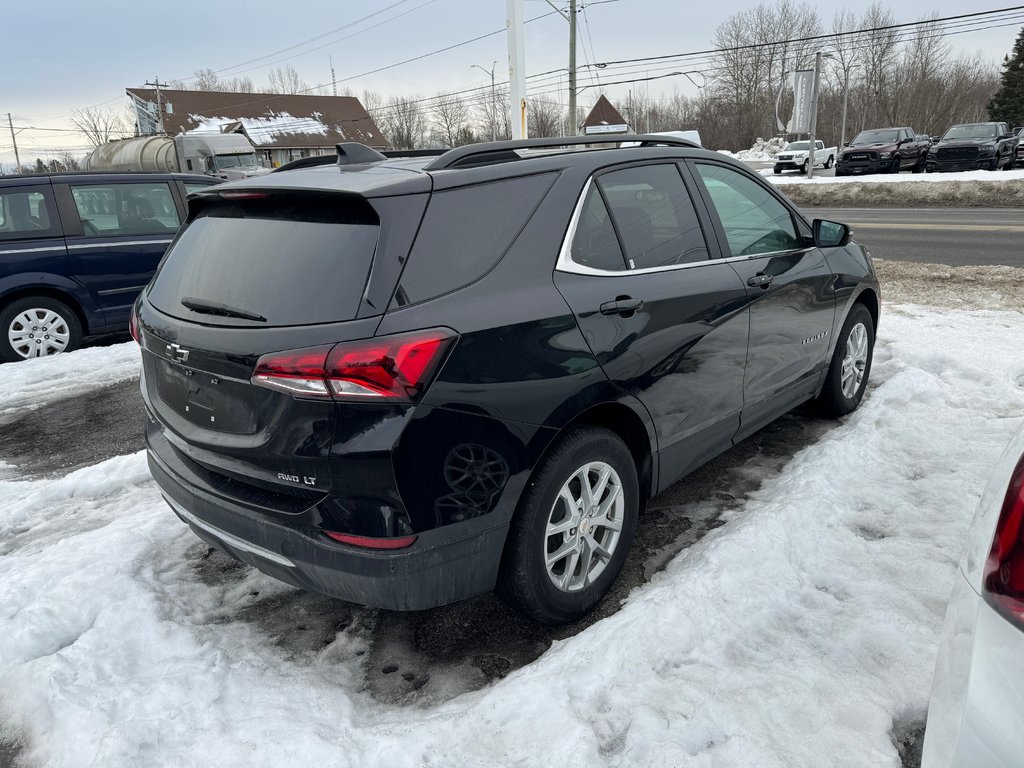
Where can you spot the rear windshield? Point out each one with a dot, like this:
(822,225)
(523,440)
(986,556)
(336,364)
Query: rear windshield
(298,259)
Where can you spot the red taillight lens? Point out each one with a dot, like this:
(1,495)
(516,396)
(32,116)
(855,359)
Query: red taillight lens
(370,542)
(1004,570)
(133,326)
(397,367)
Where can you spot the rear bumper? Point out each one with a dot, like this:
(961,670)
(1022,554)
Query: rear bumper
(442,566)
(975,716)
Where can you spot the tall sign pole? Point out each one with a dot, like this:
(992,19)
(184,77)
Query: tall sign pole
(516,68)
(814,114)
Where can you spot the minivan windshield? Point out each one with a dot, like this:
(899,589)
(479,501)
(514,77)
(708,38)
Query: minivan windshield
(973,131)
(875,137)
(274,260)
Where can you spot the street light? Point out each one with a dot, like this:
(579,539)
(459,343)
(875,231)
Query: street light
(494,100)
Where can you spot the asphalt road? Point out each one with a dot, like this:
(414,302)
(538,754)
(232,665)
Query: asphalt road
(953,236)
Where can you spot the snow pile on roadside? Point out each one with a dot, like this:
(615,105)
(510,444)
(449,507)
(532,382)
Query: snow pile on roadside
(988,177)
(794,635)
(762,149)
(974,188)
(30,383)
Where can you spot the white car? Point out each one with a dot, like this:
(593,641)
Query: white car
(976,714)
(795,156)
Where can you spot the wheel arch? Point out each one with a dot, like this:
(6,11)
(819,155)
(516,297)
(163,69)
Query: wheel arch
(619,418)
(57,294)
(869,299)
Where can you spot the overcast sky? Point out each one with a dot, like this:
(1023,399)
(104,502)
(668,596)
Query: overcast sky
(64,54)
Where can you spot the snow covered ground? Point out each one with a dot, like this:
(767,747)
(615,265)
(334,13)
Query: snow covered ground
(802,632)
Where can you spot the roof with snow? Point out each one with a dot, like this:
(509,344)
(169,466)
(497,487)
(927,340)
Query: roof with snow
(270,120)
(604,113)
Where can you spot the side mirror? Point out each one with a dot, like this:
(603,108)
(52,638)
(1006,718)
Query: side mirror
(847,143)
(830,234)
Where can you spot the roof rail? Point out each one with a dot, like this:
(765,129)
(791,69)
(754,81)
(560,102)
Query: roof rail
(306,162)
(490,152)
(396,153)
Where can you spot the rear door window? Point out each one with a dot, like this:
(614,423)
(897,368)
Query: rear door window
(292,259)
(654,216)
(109,210)
(27,212)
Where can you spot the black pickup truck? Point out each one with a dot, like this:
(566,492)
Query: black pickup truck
(974,146)
(882,150)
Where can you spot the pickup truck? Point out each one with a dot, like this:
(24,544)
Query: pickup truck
(973,146)
(883,150)
(794,156)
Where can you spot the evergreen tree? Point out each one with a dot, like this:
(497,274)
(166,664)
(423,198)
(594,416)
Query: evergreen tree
(1008,103)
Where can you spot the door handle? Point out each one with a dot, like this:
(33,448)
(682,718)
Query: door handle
(623,305)
(760,279)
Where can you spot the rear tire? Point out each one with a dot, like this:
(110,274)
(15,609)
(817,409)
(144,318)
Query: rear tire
(851,365)
(37,326)
(828,163)
(549,520)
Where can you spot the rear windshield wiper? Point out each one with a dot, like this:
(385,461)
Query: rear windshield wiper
(209,308)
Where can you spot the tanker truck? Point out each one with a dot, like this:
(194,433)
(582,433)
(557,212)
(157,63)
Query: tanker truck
(226,156)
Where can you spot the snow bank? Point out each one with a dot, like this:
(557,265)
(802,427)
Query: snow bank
(763,150)
(31,383)
(794,635)
(969,189)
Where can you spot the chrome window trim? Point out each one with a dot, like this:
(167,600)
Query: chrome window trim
(114,245)
(566,264)
(4,252)
(129,289)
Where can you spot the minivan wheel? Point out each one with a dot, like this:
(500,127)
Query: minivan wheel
(37,326)
(573,528)
(851,365)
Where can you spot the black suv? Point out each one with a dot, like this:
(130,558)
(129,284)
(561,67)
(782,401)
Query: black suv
(405,381)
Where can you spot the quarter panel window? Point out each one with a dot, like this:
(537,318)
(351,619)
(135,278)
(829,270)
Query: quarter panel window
(26,213)
(654,216)
(753,219)
(595,245)
(126,209)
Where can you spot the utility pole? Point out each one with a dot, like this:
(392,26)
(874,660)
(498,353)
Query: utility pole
(572,68)
(493,111)
(17,160)
(159,106)
(814,114)
(516,68)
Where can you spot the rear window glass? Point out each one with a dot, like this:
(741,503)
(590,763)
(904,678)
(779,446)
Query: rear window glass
(465,233)
(295,260)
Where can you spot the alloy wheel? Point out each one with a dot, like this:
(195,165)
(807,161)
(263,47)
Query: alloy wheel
(855,360)
(584,526)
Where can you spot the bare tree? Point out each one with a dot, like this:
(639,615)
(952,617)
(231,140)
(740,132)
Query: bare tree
(544,117)
(373,103)
(98,125)
(285,80)
(206,80)
(404,123)
(451,122)
(493,112)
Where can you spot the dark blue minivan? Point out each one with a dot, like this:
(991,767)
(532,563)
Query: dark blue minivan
(75,251)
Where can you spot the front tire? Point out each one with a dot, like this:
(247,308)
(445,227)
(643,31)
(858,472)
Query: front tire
(37,326)
(851,365)
(803,168)
(573,528)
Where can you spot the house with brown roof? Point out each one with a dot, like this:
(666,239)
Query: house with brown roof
(604,118)
(282,127)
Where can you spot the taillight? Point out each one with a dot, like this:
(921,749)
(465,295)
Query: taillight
(370,542)
(133,325)
(398,367)
(1004,570)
